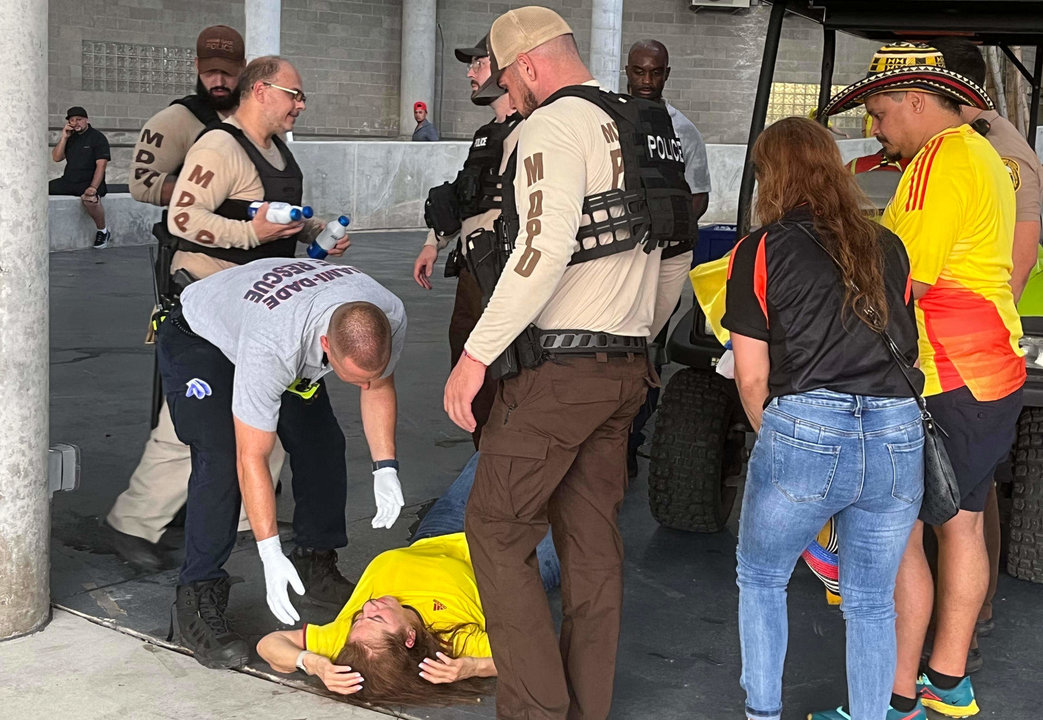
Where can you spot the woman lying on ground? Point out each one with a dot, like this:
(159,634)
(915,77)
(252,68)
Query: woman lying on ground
(413,631)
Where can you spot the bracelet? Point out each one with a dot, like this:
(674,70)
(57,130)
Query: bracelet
(385,464)
(300,661)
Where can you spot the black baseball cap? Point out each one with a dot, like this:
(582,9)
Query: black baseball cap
(75,111)
(481,49)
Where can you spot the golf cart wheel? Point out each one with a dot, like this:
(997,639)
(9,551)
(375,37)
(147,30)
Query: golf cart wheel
(697,453)
(1025,555)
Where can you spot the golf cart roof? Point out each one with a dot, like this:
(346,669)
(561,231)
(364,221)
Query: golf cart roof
(991,22)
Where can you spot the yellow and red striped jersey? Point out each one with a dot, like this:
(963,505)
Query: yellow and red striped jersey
(954,210)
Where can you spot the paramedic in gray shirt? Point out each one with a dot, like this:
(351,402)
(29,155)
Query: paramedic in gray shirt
(648,67)
(243,360)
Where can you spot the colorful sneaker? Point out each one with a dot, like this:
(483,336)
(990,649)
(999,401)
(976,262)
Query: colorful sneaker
(956,703)
(917,713)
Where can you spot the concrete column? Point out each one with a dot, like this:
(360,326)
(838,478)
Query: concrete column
(263,26)
(25,520)
(606,35)
(418,62)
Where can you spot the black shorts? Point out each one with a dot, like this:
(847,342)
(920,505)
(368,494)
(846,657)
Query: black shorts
(61,186)
(978,437)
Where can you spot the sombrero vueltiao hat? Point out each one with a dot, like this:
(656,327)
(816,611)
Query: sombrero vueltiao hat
(905,66)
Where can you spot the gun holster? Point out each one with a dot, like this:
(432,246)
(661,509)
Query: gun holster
(525,352)
(455,262)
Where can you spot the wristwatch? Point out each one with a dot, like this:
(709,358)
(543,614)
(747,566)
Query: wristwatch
(385,464)
(300,661)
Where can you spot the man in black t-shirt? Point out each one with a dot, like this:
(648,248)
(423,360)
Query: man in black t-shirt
(86,152)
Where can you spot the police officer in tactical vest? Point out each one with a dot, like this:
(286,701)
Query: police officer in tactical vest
(231,165)
(468,205)
(159,484)
(598,222)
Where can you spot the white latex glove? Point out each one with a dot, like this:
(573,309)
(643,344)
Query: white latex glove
(278,571)
(387,492)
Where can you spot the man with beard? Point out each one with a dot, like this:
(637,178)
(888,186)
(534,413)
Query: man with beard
(470,204)
(598,215)
(159,485)
(86,152)
(231,165)
(647,70)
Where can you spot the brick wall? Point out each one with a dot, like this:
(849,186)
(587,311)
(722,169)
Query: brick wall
(348,52)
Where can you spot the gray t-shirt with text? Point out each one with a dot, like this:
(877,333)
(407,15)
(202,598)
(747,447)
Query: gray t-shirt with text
(267,317)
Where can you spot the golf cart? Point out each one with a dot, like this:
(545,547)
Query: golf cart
(702,436)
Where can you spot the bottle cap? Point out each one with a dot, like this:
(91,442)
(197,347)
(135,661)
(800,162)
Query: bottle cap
(295,214)
(344,220)
(306,211)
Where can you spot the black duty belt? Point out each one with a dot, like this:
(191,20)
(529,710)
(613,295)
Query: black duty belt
(586,342)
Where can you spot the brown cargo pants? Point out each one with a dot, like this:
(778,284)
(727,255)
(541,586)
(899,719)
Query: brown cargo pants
(554,451)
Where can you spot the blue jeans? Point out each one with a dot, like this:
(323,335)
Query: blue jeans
(820,454)
(446,516)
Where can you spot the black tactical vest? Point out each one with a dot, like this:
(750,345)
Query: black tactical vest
(478,184)
(201,109)
(656,200)
(286,185)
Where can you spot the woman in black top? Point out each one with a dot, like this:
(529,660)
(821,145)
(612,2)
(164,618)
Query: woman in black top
(838,429)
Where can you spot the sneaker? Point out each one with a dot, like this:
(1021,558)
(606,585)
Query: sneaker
(956,703)
(101,239)
(983,628)
(197,620)
(975,661)
(323,583)
(917,713)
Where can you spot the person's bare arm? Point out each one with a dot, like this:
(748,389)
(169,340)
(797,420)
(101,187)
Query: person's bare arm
(700,201)
(280,650)
(58,153)
(1026,250)
(752,365)
(379,410)
(99,175)
(253,449)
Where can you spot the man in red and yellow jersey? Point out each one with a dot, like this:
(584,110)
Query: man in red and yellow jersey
(954,210)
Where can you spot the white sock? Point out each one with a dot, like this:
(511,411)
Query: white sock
(104,229)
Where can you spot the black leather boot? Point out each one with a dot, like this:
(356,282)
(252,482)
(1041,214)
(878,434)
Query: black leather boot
(198,619)
(323,583)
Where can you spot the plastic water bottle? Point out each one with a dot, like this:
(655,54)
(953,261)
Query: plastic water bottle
(328,238)
(281,213)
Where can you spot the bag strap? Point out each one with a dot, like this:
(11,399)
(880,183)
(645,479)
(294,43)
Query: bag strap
(896,354)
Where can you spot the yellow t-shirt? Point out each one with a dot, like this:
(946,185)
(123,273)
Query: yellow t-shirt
(954,210)
(433,576)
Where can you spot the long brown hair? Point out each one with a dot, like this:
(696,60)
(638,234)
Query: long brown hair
(391,670)
(798,163)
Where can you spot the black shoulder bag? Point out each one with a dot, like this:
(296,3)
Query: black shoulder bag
(941,493)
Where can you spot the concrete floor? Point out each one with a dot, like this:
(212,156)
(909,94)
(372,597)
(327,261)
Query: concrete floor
(679,653)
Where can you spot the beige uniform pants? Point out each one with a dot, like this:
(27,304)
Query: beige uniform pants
(159,486)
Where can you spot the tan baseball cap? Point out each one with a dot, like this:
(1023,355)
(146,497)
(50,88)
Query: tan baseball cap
(519,31)
(220,47)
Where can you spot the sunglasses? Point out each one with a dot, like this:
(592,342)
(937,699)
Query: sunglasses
(298,95)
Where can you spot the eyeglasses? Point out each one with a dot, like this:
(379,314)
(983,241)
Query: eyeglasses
(298,95)
(476,64)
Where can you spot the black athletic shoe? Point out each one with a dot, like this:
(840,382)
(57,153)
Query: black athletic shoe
(323,583)
(101,239)
(198,620)
(137,551)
